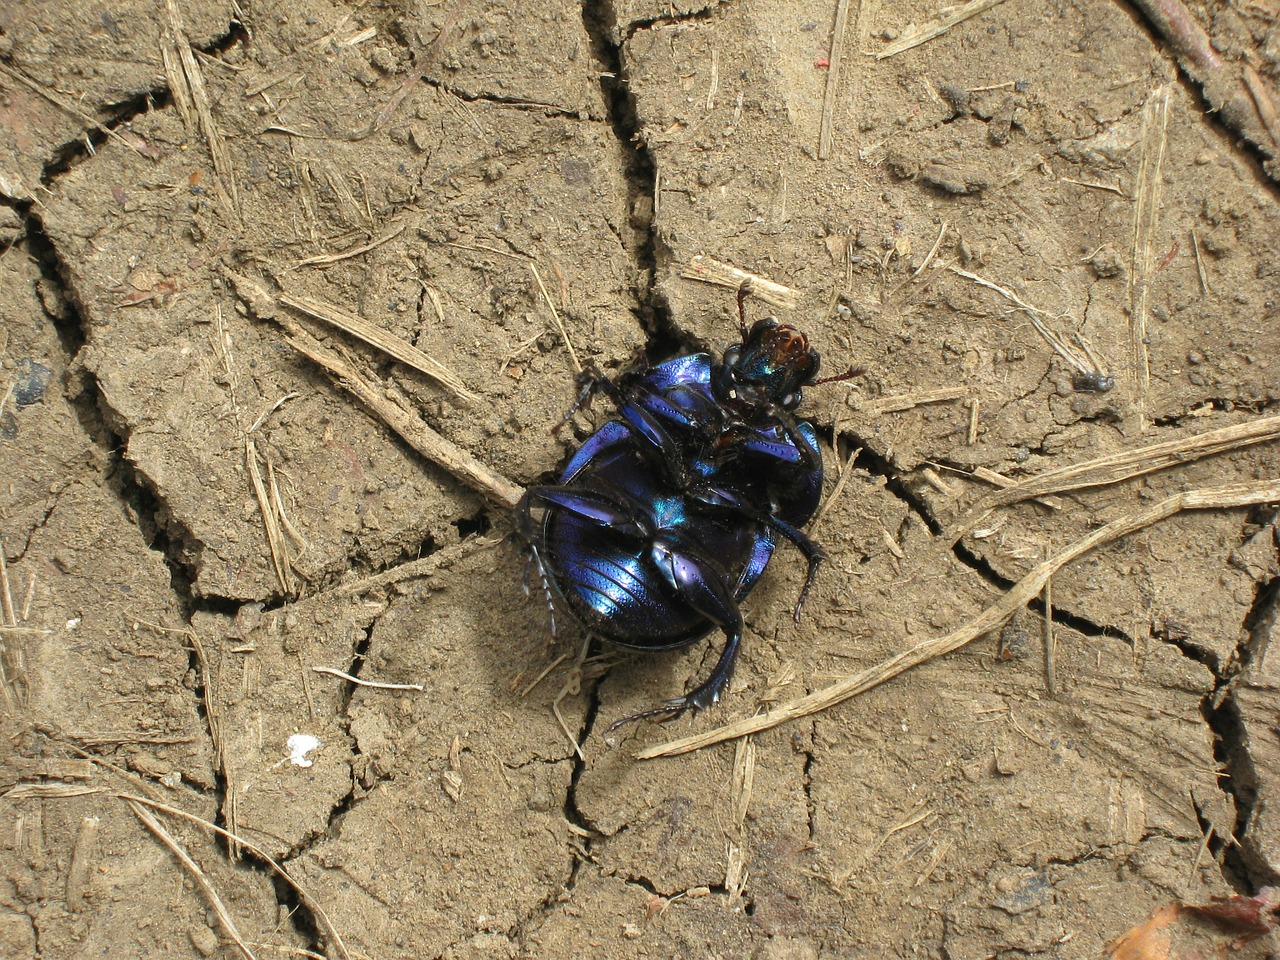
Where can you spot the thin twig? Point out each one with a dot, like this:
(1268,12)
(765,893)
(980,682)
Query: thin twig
(368,683)
(947,18)
(202,880)
(555,315)
(311,903)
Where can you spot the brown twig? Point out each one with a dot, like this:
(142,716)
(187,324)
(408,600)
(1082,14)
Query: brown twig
(1243,104)
(201,878)
(409,426)
(1121,466)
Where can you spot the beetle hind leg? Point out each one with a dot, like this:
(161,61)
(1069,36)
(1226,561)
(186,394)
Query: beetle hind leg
(702,696)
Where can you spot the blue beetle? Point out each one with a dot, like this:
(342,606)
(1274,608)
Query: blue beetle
(666,517)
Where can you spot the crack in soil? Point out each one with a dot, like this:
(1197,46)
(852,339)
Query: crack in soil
(1243,862)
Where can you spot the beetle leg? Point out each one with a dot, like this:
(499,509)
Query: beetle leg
(814,555)
(599,508)
(701,584)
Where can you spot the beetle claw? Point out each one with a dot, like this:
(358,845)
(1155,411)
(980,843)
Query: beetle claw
(671,710)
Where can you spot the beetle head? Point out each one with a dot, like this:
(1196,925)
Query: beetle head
(768,368)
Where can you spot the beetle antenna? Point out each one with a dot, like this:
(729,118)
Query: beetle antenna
(849,374)
(744,291)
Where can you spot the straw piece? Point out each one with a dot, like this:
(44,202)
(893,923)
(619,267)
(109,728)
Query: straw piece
(409,426)
(383,340)
(202,880)
(826,133)
(1122,466)
(947,18)
(710,270)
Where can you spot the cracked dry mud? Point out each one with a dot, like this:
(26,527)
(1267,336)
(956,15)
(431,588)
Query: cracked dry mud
(961,811)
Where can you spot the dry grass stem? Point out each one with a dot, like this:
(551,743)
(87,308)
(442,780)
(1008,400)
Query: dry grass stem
(932,478)
(84,861)
(20,632)
(6,592)
(571,687)
(1050,639)
(744,778)
(1122,466)
(838,33)
(23,631)
(270,410)
(906,401)
(327,258)
(1087,364)
(1146,225)
(485,248)
(48,791)
(1262,101)
(277,504)
(933,252)
(202,880)
(720,274)
(12,670)
(68,108)
(212,707)
(368,683)
(1019,595)
(947,18)
(1200,269)
(422,66)
(422,567)
(194,78)
(713,83)
(178,85)
(846,471)
(555,316)
(1000,480)
(546,672)
(1095,186)
(312,904)
(383,340)
(974,405)
(275,538)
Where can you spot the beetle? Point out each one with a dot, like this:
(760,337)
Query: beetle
(667,516)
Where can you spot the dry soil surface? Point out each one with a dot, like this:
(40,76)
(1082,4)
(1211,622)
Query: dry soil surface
(1035,201)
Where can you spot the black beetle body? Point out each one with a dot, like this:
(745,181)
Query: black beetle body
(666,517)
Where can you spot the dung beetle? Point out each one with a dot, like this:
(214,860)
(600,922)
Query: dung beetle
(667,516)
